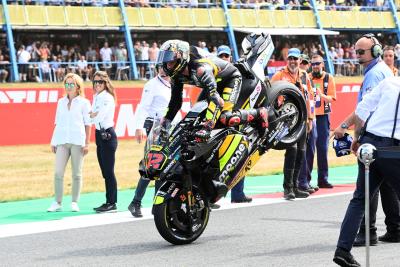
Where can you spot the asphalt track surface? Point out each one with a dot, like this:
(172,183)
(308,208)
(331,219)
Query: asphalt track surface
(286,233)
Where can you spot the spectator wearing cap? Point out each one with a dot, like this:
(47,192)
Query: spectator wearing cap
(325,94)
(305,62)
(294,155)
(224,52)
(237,193)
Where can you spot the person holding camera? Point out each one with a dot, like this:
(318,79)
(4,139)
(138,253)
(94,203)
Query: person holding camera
(102,115)
(70,139)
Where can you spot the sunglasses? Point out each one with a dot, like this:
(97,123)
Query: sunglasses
(316,63)
(361,51)
(293,58)
(304,62)
(69,86)
(224,55)
(98,82)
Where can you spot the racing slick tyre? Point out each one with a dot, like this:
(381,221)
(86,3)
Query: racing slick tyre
(285,98)
(173,224)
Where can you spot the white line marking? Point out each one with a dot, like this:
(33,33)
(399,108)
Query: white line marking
(75,222)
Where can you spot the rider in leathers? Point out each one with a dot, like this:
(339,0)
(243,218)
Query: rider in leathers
(219,79)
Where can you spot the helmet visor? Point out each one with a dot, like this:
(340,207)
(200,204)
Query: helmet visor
(165,56)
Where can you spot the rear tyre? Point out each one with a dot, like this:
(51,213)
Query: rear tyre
(172,221)
(293,102)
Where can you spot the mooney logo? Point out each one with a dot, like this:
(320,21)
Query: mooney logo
(28,96)
(232,162)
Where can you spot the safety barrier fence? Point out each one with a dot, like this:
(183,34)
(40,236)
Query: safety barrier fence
(54,71)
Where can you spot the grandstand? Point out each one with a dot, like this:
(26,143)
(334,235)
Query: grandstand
(85,22)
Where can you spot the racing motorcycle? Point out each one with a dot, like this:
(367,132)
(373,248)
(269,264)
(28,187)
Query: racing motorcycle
(186,168)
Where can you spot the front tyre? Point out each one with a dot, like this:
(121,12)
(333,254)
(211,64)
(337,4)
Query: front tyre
(172,221)
(293,103)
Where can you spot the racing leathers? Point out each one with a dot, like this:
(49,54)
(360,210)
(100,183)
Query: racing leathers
(220,81)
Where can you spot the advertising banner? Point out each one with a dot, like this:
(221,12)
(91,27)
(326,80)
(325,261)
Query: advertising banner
(27,114)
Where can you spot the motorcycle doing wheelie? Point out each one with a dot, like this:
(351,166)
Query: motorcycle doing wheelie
(186,168)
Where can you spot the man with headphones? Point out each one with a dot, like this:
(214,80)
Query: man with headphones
(319,138)
(389,56)
(369,52)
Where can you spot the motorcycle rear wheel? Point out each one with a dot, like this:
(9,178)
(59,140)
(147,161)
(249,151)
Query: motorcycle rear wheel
(173,225)
(294,101)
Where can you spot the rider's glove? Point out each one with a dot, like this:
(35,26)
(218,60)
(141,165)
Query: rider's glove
(216,99)
(204,134)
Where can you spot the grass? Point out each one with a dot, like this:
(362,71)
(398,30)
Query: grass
(26,172)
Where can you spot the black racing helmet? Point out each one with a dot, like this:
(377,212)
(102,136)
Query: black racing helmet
(173,56)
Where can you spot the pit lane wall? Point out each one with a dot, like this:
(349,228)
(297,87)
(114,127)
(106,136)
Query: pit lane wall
(27,112)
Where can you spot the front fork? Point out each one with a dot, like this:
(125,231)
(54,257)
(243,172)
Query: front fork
(187,184)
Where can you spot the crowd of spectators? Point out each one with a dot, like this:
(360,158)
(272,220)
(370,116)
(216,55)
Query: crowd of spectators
(378,5)
(49,62)
(46,61)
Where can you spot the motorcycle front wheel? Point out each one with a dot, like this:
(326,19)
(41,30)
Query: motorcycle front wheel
(173,224)
(286,98)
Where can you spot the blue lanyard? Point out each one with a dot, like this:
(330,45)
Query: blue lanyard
(164,82)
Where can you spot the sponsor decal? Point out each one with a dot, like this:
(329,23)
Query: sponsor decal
(169,166)
(235,92)
(213,152)
(232,162)
(251,161)
(171,187)
(175,192)
(248,166)
(28,96)
(348,88)
(36,107)
(255,94)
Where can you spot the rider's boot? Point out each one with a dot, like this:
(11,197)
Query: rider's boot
(288,192)
(242,116)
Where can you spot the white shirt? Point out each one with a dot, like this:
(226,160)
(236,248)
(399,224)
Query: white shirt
(70,124)
(382,100)
(106,54)
(103,103)
(82,64)
(23,56)
(145,53)
(154,102)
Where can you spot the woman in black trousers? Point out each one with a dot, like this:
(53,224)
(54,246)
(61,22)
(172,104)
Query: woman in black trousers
(102,114)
